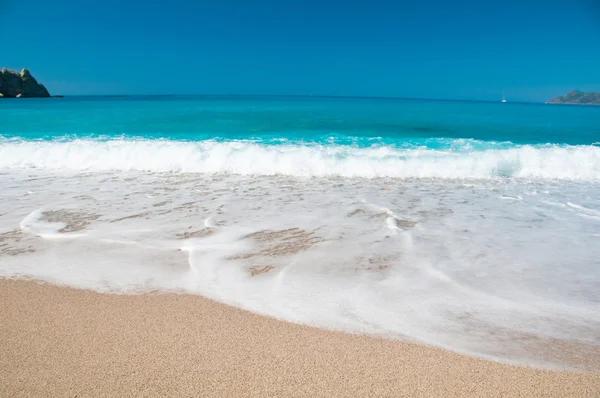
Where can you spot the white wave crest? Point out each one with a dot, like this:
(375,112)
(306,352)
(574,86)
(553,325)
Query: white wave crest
(250,158)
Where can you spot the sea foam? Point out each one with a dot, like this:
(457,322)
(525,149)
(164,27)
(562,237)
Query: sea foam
(440,262)
(305,159)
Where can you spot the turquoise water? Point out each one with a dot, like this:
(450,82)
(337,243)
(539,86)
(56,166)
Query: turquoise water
(362,122)
(303,136)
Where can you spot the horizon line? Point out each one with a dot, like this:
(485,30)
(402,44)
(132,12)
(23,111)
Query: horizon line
(293,96)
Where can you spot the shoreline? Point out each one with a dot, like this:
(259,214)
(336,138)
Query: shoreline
(62,341)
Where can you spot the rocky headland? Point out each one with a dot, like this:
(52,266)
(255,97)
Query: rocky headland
(577,97)
(14,85)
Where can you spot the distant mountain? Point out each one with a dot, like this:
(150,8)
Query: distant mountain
(15,84)
(577,97)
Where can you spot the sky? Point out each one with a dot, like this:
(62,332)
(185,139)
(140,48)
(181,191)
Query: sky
(528,50)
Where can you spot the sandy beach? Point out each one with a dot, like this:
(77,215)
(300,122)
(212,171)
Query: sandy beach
(57,341)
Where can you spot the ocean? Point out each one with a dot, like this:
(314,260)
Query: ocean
(471,226)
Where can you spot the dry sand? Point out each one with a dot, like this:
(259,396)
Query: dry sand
(57,341)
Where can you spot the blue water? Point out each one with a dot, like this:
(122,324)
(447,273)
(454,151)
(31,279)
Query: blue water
(438,130)
(345,120)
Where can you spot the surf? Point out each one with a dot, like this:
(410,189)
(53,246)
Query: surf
(305,159)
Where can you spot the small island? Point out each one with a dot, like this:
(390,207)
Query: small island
(577,97)
(15,85)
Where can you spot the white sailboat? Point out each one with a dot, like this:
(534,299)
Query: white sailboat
(503,98)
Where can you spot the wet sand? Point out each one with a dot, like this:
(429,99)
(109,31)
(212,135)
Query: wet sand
(57,341)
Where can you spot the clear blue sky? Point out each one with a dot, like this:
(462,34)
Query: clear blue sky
(528,49)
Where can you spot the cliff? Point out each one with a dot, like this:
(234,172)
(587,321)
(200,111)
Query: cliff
(577,97)
(15,84)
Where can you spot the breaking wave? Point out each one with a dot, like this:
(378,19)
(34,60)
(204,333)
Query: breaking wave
(305,159)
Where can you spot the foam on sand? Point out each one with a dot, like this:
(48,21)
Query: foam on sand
(440,262)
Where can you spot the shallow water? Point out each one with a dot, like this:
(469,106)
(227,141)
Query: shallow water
(481,268)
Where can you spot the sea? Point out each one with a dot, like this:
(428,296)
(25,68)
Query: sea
(471,226)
